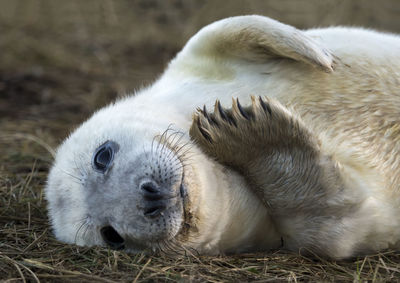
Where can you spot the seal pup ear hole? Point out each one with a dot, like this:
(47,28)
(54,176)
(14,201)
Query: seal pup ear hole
(104,156)
(257,38)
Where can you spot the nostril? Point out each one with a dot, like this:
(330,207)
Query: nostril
(149,187)
(151,191)
(112,238)
(154,211)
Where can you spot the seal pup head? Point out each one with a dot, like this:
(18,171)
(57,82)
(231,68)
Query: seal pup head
(119,184)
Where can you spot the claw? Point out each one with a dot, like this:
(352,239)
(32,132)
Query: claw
(221,111)
(223,114)
(265,106)
(241,110)
(211,119)
(205,134)
(205,114)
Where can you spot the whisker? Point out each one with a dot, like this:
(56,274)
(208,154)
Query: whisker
(81,166)
(175,247)
(175,135)
(175,141)
(186,147)
(84,222)
(163,137)
(77,180)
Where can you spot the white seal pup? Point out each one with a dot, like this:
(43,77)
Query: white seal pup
(308,160)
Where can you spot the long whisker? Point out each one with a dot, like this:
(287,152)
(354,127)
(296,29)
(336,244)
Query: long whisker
(80,166)
(84,222)
(77,179)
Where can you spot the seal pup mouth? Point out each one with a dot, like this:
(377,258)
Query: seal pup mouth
(156,208)
(112,238)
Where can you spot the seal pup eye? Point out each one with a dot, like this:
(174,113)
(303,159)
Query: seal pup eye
(103,156)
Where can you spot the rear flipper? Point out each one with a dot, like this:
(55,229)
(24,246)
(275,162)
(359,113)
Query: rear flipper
(281,160)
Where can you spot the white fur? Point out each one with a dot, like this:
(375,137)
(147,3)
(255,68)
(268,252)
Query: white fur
(323,63)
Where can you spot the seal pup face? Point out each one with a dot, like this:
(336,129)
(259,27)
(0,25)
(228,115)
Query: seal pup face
(146,207)
(123,186)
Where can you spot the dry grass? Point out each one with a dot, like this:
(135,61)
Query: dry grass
(62,60)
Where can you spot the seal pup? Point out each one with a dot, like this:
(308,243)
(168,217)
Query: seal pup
(310,163)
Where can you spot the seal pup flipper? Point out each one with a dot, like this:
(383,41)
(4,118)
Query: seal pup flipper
(281,160)
(265,142)
(256,38)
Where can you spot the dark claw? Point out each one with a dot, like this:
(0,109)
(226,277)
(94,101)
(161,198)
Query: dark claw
(203,132)
(205,113)
(241,110)
(222,112)
(211,119)
(265,106)
(226,117)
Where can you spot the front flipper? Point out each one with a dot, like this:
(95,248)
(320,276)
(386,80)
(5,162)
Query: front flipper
(281,160)
(271,147)
(239,135)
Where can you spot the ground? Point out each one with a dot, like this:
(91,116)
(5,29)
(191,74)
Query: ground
(61,60)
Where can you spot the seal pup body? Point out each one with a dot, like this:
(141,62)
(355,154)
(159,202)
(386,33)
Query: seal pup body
(161,192)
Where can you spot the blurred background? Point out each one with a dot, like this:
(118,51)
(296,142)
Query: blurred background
(61,60)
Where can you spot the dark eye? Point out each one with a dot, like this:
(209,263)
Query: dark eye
(103,156)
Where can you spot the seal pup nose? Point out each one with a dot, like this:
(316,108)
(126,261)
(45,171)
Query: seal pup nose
(151,191)
(154,199)
(112,238)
